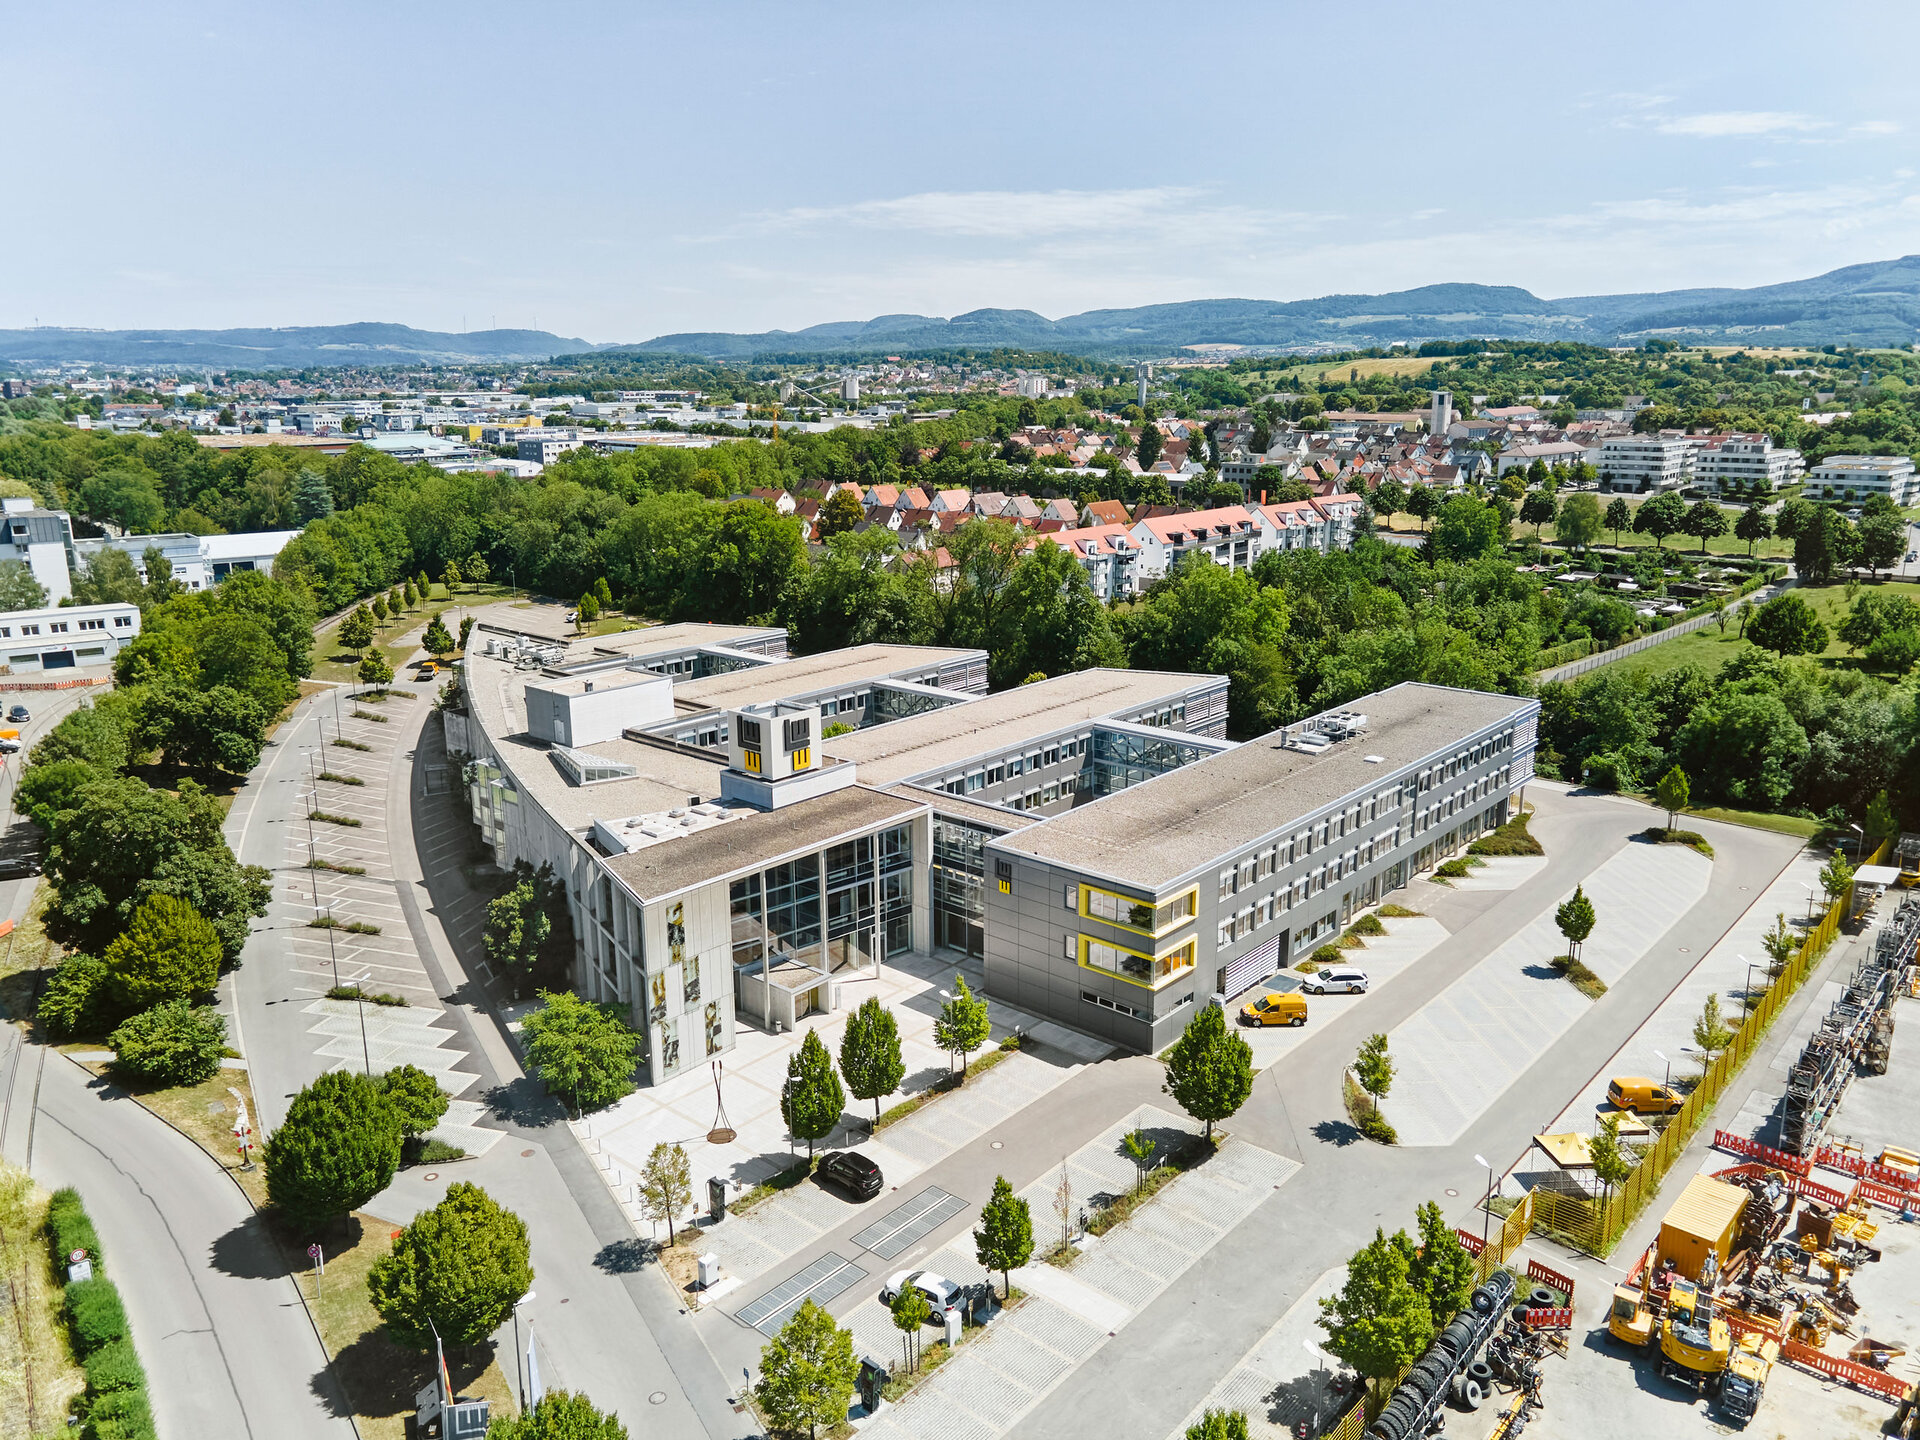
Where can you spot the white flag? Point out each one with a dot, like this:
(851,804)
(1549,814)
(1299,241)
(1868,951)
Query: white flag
(533,1372)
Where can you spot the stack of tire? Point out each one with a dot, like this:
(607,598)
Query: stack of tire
(1448,1370)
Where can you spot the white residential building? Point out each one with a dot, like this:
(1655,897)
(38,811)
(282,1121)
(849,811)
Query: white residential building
(199,561)
(42,540)
(1855,477)
(1228,536)
(1554,454)
(1644,463)
(1729,462)
(62,637)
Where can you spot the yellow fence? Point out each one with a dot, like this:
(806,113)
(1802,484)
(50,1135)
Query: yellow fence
(1596,1225)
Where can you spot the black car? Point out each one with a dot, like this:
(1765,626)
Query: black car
(18,715)
(853,1173)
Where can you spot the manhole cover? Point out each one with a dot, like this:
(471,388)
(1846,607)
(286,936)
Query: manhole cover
(432,1175)
(526,1154)
(996,1145)
(658,1397)
(1685,951)
(1453,1193)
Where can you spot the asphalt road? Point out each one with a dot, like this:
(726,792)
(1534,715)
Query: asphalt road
(226,1342)
(1197,1330)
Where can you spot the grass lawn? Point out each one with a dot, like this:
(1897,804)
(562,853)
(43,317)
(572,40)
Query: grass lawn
(204,1113)
(1760,820)
(38,1376)
(1315,370)
(380,1377)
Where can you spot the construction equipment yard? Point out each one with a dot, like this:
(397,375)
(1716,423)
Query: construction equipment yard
(1781,1294)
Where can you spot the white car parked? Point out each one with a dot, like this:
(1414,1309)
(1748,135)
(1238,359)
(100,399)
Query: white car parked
(942,1294)
(1336,979)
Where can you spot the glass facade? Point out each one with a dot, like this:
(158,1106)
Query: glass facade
(959,878)
(1121,759)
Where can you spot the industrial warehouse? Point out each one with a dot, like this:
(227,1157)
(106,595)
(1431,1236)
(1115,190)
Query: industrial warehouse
(740,830)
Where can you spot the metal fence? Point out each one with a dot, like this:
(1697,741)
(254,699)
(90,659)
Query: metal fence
(1579,667)
(1596,1224)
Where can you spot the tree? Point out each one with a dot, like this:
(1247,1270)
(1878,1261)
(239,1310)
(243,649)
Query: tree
(312,498)
(1389,497)
(603,593)
(807,1372)
(172,1044)
(410,595)
(1823,542)
(1895,652)
(1880,823)
(380,609)
(474,569)
(1788,625)
(356,630)
(75,1000)
(1619,517)
(336,1150)
(374,669)
(1663,515)
(1147,452)
(1536,510)
(1576,919)
(841,513)
(580,1050)
(1611,1166)
(1578,524)
(218,728)
(1373,1068)
(1140,1149)
(1705,521)
(1710,1032)
(457,1269)
(1465,529)
(1743,747)
(1052,621)
(558,1415)
(1781,945)
(451,577)
(1004,1241)
(1063,1203)
(1673,793)
(812,1100)
(168,952)
(19,590)
(1441,1270)
(416,1097)
(1219,1425)
(1422,502)
(1793,517)
(1753,525)
(962,1026)
(438,640)
(910,1312)
(666,1185)
(1209,1068)
(1836,877)
(588,609)
(870,1053)
(1378,1323)
(1883,539)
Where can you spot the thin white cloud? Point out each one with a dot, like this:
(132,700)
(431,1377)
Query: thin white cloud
(1739,124)
(1875,127)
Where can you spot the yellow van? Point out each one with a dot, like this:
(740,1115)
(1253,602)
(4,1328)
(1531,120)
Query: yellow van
(1274,1008)
(1642,1096)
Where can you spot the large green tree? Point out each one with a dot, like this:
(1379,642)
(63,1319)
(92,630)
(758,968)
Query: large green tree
(1578,523)
(579,1050)
(870,1058)
(558,1415)
(457,1269)
(213,729)
(1209,619)
(1209,1068)
(336,1150)
(807,1372)
(416,1097)
(962,1024)
(170,1045)
(1665,514)
(812,1100)
(1441,1270)
(1004,1241)
(167,952)
(1788,625)
(1379,1323)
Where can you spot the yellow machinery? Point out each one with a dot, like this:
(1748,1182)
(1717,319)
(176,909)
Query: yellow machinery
(1745,1383)
(1630,1321)
(1907,853)
(1695,1343)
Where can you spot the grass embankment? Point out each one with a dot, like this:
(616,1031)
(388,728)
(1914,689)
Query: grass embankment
(39,1377)
(25,952)
(1365,1113)
(380,1377)
(1512,838)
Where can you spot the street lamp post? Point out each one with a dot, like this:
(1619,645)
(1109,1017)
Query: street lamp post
(1486,1205)
(359,1003)
(1667,1082)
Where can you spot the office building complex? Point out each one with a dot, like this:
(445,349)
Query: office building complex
(742,832)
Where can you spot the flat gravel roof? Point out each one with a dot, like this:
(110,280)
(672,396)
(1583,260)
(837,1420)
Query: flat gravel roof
(826,671)
(1173,825)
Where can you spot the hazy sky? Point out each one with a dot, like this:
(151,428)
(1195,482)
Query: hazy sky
(619,171)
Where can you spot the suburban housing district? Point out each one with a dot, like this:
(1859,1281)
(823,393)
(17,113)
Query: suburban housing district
(1093,836)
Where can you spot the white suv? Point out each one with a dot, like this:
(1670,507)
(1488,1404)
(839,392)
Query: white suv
(1337,978)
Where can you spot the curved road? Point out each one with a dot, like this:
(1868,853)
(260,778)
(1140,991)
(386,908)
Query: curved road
(218,1323)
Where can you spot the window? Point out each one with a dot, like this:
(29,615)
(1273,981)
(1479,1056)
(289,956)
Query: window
(1267,863)
(1072,946)
(1226,884)
(976,781)
(1015,766)
(1053,755)
(29,629)
(1050,794)
(1106,1004)
(995,774)
(93,624)
(1244,875)
(1073,897)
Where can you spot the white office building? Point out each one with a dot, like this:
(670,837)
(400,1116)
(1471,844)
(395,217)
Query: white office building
(61,638)
(42,540)
(1740,462)
(1855,477)
(199,561)
(1645,463)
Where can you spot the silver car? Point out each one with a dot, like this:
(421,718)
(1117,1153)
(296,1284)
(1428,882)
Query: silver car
(1337,979)
(942,1294)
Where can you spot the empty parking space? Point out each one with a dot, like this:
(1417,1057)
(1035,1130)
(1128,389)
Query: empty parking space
(827,1277)
(899,1230)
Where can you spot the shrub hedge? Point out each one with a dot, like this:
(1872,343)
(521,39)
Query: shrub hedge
(69,1228)
(95,1315)
(115,1406)
(114,1366)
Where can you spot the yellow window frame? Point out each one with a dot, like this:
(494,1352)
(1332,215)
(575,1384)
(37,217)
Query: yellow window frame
(1086,909)
(1190,948)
